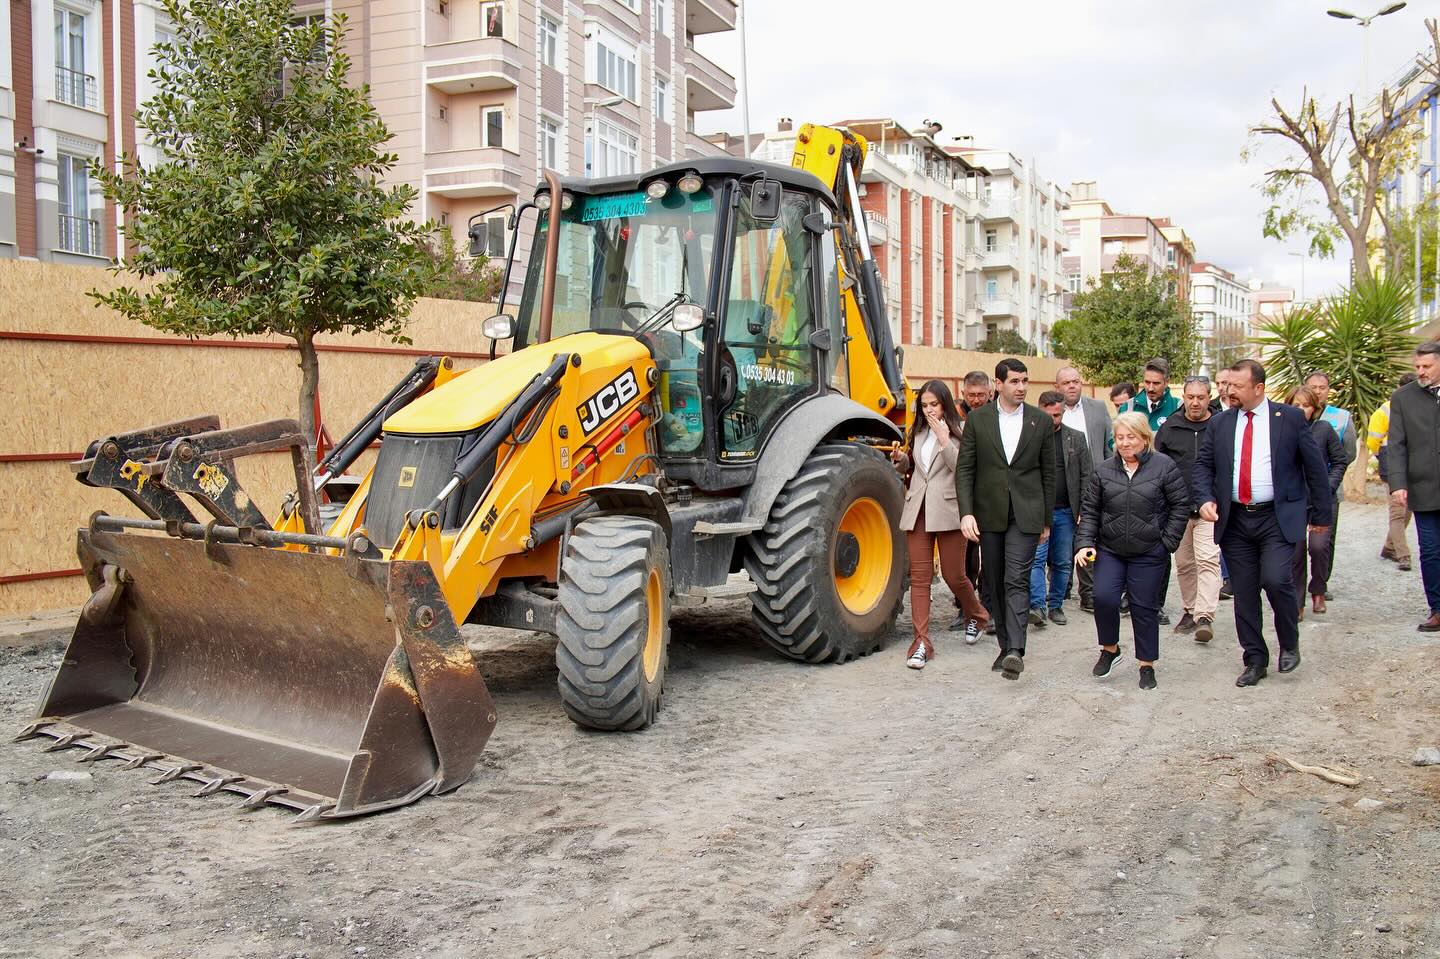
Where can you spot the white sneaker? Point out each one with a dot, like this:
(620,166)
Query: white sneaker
(917,661)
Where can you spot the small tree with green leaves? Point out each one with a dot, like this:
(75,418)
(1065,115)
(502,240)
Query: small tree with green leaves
(1126,318)
(1008,342)
(267,212)
(458,277)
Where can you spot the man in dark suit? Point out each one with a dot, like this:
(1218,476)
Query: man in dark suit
(1412,466)
(1005,488)
(1091,417)
(1260,478)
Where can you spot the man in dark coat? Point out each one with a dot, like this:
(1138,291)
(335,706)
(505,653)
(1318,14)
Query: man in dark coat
(1261,483)
(1412,466)
(1005,488)
(1056,556)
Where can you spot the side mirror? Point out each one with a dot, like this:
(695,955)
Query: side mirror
(501,326)
(688,318)
(477,238)
(765,198)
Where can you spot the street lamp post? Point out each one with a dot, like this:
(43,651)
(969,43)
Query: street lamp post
(1364,23)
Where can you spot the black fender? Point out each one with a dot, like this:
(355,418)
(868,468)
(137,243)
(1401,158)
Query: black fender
(805,427)
(630,499)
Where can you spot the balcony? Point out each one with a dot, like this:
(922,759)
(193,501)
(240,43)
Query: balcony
(76,88)
(877,228)
(697,146)
(1002,205)
(478,171)
(999,306)
(707,87)
(709,16)
(80,235)
(472,66)
(1003,257)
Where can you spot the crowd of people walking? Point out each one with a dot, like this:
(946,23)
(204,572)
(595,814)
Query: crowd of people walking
(1243,492)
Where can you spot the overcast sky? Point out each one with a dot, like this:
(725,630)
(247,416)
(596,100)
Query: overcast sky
(1152,100)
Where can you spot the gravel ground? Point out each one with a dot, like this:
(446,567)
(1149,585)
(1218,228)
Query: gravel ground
(785,810)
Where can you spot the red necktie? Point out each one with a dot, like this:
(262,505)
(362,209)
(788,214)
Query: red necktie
(1247,442)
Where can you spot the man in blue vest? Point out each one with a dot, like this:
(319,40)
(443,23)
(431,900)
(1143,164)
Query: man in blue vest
(1344,426)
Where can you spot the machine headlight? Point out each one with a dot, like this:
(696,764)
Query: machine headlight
(690,183)
(657,189)
(542,201)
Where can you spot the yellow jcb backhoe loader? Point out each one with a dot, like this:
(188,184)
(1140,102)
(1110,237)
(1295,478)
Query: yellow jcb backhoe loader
(700,375)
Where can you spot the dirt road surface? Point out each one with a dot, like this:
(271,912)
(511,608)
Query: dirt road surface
(787,810)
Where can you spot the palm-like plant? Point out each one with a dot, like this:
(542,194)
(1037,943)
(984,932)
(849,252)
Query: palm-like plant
(1361,338)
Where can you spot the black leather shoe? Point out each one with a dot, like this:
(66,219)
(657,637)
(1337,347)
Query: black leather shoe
(1012,664)
(999,664)
(1289,659)
(1251,676)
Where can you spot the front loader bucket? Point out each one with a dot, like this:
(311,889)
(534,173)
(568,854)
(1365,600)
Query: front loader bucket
(334,685)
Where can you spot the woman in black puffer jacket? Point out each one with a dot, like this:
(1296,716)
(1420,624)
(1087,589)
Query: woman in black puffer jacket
(1132,518)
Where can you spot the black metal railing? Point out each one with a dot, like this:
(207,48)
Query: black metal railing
(79,235)
(75,88)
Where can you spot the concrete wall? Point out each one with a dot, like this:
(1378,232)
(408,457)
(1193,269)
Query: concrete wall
(74,372)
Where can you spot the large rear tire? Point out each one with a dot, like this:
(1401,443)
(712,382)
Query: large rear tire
(829,566)
(614,622)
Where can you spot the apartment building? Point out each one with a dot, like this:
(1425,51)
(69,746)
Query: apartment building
(1097,236)
(924,217)
(1179,256)
(1224,309)
(479,95)
(1023,246)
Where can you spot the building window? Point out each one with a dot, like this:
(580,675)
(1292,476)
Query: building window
(78,232)
(492,19)
(1072,282)
(613,65)
(72,84)
(493,121)
(549,143)
(549,42)
(662,99)
(662,17)
(992,289)
(305,21)
(616,150)
(992,241)
(444,112)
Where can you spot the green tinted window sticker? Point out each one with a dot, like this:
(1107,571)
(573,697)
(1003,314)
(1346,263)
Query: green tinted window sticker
(613,206)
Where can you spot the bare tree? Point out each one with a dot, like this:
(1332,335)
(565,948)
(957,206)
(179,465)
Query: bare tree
(1345,152)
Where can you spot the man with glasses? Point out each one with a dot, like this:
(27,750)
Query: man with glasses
(1197,561)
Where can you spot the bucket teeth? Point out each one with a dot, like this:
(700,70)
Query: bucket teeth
(97,753)
(142,759)
(261,797)
(171,775)
(64,742)
(31,731)
(314,813)
(217,784)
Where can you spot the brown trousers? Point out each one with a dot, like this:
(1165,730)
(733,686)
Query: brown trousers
(921,544)
(1395,538)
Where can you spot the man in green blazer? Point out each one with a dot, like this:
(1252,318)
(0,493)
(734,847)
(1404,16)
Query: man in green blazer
(1005,490)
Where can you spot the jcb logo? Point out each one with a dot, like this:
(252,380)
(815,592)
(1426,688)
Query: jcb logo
(608,401)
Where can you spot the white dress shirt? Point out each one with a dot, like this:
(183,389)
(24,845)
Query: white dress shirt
(926,449)
(1262,482)
(1010,426)
(1074,417)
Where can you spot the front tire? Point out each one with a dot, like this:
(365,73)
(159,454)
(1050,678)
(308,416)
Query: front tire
(829,566)
(614,622)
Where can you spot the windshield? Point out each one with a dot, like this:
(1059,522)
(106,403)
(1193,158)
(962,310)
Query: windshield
(622,257)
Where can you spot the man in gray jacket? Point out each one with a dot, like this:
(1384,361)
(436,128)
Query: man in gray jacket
(1092,418)
(1411,458)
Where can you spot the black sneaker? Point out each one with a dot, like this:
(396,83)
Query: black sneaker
(1147,677)
(1037,618)
(1204,630)
(1106,662)
(1057,616)
(1186,624)
(1225,591)
(972,632)
(1012,664)
(1164,618)
(1087,606)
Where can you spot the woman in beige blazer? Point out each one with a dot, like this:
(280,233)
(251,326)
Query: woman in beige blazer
(931,516)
